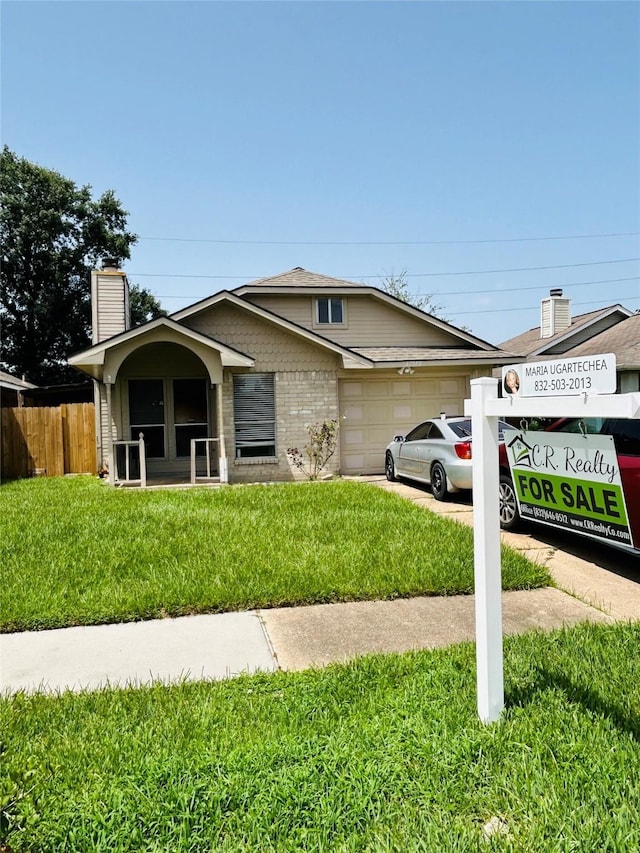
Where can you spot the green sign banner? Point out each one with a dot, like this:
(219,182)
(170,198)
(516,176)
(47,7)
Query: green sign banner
(569,480)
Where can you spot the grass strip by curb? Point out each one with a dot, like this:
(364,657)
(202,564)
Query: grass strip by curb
(385,753)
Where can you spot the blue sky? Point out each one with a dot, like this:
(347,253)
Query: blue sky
(353,139)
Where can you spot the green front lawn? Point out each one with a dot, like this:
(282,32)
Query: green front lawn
(75,551)
(383,754)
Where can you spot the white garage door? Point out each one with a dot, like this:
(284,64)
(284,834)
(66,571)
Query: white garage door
(374,410)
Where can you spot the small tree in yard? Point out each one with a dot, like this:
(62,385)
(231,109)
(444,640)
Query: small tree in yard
(318,451)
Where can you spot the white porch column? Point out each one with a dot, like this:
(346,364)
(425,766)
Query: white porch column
(109,436)
(223,465)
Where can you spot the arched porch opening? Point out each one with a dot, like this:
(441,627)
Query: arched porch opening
(165,391)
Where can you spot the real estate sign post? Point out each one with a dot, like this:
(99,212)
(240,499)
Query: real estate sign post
(584,486)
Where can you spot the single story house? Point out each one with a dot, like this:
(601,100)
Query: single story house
(612,329)
(250,368)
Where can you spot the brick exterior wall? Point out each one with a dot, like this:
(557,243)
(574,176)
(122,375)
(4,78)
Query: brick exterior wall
(302,397)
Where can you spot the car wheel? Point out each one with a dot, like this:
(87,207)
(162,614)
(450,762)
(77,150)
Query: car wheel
(390,468)
(509,515)
(438,482)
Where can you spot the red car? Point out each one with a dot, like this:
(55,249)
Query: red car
(626,439)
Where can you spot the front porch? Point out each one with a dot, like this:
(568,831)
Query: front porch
(159,404)
(130,466)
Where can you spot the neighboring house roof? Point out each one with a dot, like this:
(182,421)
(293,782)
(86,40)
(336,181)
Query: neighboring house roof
(530,342)
(55,395)
(12,383)
(623,340)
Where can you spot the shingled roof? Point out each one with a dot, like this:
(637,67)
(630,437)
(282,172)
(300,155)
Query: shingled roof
(530,341)
(623,339)
(428,355)
(299,277)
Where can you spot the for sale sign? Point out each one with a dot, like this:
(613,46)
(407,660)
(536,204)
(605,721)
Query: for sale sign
(569,480)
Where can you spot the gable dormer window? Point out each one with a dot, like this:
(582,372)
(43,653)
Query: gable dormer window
(329,310)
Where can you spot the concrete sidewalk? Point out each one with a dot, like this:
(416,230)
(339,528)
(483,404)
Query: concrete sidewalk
(223,645)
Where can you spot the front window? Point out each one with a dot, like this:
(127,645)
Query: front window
(329,310)
(254,412)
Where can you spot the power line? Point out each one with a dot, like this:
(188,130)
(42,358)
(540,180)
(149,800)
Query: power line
(532,307)
(519,269)
(465,292)
(533,287)
(407,275)
(388,242)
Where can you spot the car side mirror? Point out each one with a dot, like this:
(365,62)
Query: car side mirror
(398,438)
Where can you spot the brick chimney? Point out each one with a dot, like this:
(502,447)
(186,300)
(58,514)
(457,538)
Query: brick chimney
(109,301)
(555,313)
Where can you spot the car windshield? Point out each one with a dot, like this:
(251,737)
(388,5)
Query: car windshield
(625,432)
(582,425)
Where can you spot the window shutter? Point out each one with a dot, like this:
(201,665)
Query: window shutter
(254,413)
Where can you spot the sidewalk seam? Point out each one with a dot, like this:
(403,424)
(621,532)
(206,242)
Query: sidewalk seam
(265,634)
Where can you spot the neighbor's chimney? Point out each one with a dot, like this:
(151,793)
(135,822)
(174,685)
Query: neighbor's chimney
(109,301)
(555,313)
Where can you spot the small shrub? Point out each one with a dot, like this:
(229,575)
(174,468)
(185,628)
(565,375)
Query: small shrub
(323,439)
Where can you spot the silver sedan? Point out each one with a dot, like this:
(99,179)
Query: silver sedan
(436,452)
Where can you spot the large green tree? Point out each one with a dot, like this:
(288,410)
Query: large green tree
(53,233)
(143,306)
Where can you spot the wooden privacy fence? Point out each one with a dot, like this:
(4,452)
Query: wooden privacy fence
(48,440)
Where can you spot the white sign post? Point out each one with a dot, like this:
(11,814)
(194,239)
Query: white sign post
(485,408)
(486,551)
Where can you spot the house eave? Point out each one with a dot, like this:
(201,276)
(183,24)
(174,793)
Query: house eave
(226,296)
(359,290)
(92,360)
(446,362)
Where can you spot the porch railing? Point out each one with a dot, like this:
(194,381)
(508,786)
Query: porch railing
(213,467)
(134,463)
